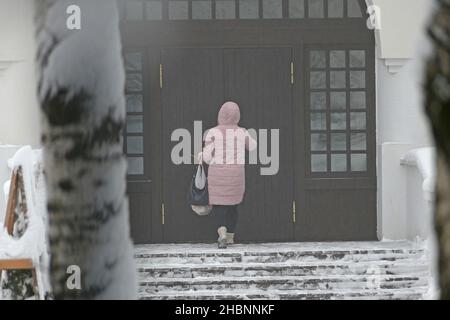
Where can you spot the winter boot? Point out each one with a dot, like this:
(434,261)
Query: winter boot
(222,241)
(230,238)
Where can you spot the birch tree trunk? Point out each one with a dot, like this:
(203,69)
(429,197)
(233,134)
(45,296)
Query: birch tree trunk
(438,109)
(81,93)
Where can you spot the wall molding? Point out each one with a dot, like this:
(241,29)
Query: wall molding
(394,65)
(401,27)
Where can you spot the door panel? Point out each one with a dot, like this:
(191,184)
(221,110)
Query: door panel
(196,83)
(258,79)
(339,184)
(136,144)
(192,90)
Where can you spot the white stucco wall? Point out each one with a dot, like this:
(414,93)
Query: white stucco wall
(401,121)
(19,123)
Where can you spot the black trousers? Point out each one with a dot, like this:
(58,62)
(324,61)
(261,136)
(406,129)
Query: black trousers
(226,216)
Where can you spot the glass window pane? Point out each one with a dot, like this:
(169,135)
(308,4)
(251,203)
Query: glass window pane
(358,100)
(178,10)
(338,121)
(318,59)
(134,103)
(359,162)
(318,100)
(318,142)
(296,9)
(339,162)
(358,141)
(357,79)
(135,145)
(318,121)
(318,80)
(133,61)
(134,82)
(225,9)
(338,100)
(338,80)
(201,9)
(134,10)
(272,9)
(135,124)
(248,9)
(135,165)
(315,8)
(337,59)
(357,58)
(335,8)
(319,163)
(338,142)
(153,10)
(353,9)
(358,121)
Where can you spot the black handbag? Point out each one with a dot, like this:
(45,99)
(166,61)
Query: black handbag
(198,195)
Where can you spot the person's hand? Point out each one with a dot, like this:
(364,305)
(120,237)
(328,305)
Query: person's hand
(200,157)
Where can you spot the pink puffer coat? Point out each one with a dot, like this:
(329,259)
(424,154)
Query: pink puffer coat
(226,173)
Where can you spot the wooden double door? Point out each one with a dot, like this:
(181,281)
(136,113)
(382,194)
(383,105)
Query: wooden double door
(320,99)
(196,82)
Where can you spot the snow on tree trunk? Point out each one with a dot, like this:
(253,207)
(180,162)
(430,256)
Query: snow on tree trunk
(438,109)
(81,93)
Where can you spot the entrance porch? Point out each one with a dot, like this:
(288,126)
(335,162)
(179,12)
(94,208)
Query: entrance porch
(344,270)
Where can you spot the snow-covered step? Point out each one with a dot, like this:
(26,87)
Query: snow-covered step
(283,256)
(351,282)
(346,270)
(407,294)
(411,267)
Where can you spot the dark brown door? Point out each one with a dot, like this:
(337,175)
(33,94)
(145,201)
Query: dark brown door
(196,83)
(336,194)
(140,186)
(192,90)
(258,79)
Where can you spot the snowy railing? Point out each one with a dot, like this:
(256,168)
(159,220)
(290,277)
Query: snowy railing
(421,174)
(420,193)
(32,243)
(424,160)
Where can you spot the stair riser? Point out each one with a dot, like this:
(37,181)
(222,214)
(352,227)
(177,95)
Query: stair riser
(314,284)
(281,258)
(149,273)
(231,252)
(329,296)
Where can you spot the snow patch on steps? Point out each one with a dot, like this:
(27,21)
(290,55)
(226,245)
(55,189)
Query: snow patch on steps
(351,270)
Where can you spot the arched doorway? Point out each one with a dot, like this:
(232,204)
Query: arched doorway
(306,67)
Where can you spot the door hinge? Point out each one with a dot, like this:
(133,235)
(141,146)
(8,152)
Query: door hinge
(161,75)
(294,214)
(163,214)
(292,72)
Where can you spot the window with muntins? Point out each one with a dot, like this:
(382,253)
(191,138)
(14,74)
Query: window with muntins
(338,111)
(134,130)
(175,10)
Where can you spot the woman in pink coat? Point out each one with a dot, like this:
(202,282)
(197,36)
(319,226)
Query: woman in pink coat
(224,151)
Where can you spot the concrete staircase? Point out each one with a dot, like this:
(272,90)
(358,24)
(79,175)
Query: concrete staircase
(365,270)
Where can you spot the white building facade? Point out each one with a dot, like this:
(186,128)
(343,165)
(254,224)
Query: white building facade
(404,207)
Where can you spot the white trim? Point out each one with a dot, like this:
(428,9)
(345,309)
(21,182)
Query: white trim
(394,64)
